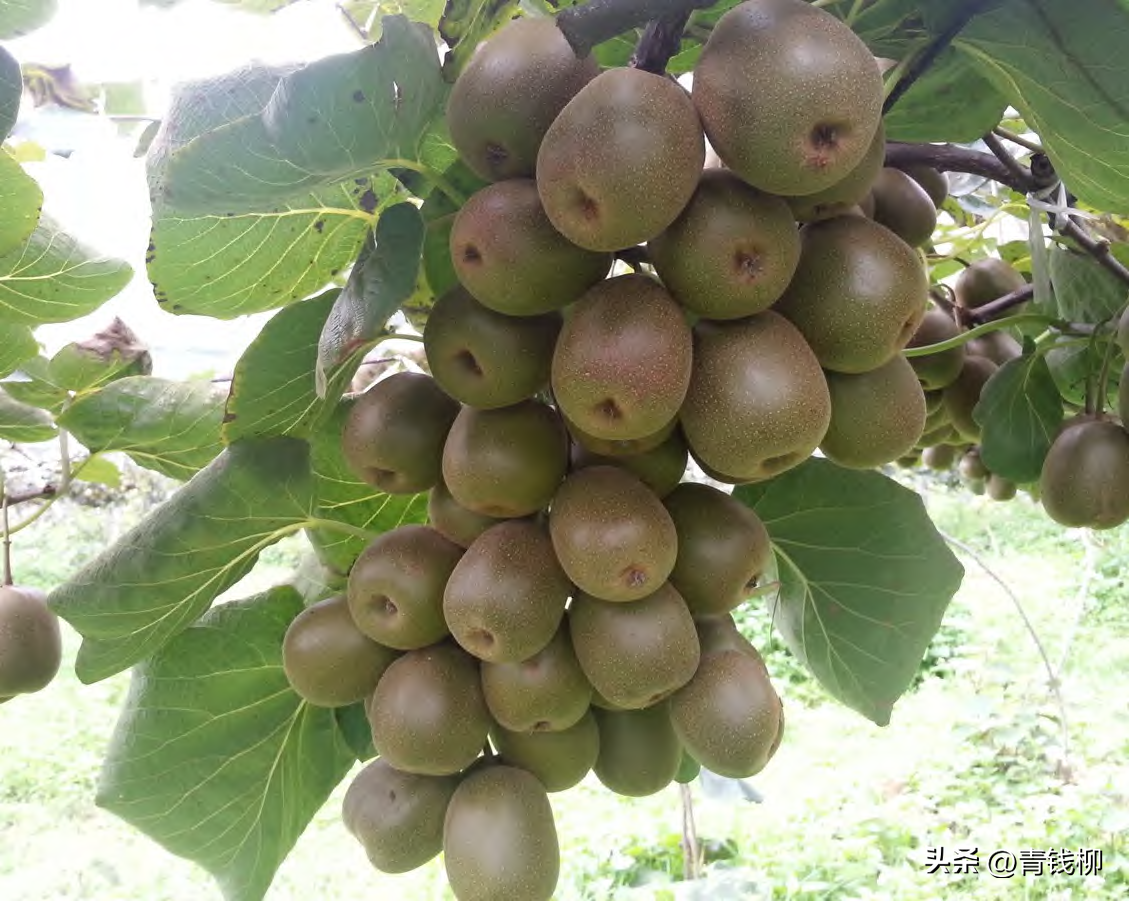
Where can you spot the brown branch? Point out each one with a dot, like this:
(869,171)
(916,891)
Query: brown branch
(36,494)
(1099,250)
(660,41)
(951,158)
(929,56)
(635,257)
(600,20)
(999,151)
(996,308)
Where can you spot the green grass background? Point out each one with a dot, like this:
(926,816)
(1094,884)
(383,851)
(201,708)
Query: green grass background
(973,756)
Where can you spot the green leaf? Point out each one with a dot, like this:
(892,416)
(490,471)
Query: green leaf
(338,118)
(20,17)
(952,101)
(54,278)
(23,424)
(246,262)
(272,388)
(466,24)
(113,353)
(1019,413)
(160,576)
(11,88)
(356,730)
(100,470)
(341,496)
(33,384)
(17,344)
(1084,290)
(1060,65)
(865,578)
(889,27)
(382,280)
(215,757)
(170,427)
(21,199)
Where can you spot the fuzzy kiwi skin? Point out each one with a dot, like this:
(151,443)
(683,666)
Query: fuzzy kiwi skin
(31,644)
(1085,477)
(510,92)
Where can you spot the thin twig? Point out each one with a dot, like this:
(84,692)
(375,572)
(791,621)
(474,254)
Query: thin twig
(1016,139)
(1099,250)
(1052,677)
(592,23)
(691,850)
(7,574)
(929,55)
(1017,169)
(1089,571)
(35,494)
(995,308)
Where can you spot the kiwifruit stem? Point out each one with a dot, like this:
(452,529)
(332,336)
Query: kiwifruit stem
(593,23)
(7,575)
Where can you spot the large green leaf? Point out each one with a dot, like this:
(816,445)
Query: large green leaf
(1084,290)
(22,423)
(864,578)
(272,389)
(54,278)
(466,24)
(158,578)
(343,497)
(170,427)
(33,384)
(21,199)
(215,757)
(1019,413)
(1062,66)
(338,118)
(11,87)
(952,101)
(17,344)
(20,17)
(229,266)
(382,280)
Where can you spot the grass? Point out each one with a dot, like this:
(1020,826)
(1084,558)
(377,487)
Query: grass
(973,757)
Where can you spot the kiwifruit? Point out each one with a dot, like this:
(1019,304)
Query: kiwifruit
(613,537)
(639,750)
(963,394)
(454,521)
(934,182)
(859,293)
(328,660)
(729,716)
(394,434)
(1000,489)
(31,644)
(876,416)
(635,654)
(505,598)
(723,548)
(1085,477)
(848,193)
(559,760)
(972,467)
(934,401)
(731,252)
(939,457)
(661,468)
(986,280)
(939,369)
(509,256)
(1123,396)
(397,817)
(396,586)
(619,447)
(543,693)
(997,346)
(621,160)
(688,770)
(486,359)
(512,89)
(758,402)
(427,714)
(904,207)
(499,839)
(622,361)
(1123,332)
(505,462)
(789,96)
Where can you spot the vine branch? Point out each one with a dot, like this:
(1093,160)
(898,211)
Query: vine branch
(6,576)
(600,20)
(922,63)
(660,41)
(996,308)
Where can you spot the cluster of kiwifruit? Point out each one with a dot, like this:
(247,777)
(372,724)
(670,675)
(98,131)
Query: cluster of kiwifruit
(567,607)
(31,646)
(1084,480)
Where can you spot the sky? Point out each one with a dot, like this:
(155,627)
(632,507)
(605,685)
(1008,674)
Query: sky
(99,193)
